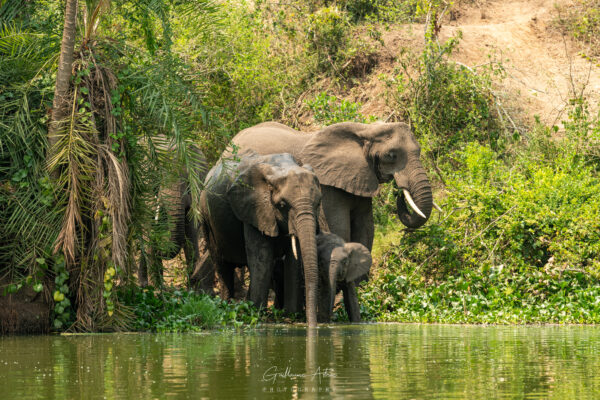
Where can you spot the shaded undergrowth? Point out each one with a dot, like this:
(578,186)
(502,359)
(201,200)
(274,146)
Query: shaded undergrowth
(174,309)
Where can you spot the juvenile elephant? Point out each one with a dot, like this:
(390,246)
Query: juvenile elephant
(339,262)
(350,161)
(173,204)
(253,211)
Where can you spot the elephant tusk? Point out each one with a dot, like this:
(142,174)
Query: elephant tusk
(438,207)
(294,250)
(412,203)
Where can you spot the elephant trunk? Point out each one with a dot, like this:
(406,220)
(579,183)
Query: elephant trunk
(306,228)
(420,191)
(334,270)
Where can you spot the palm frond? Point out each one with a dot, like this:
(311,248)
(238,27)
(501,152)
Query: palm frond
(74,158)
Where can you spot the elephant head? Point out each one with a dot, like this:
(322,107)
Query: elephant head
(278,197)
(339,262)
(358,157)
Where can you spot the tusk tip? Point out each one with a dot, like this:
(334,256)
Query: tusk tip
(294,249)
(412,204)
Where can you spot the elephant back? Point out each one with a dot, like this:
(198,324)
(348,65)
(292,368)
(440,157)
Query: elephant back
(326,243)
(269,138)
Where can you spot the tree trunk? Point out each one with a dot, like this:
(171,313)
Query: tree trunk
(63,75)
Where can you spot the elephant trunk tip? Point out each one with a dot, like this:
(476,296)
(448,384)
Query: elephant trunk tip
(414,206)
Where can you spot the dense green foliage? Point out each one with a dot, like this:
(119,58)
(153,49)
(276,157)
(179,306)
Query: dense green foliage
(447,103)
(518,243)
(519,239)
(327,110)
(174,310)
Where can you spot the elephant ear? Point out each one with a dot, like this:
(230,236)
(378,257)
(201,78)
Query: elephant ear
(338,154)
(359,261)
(250,197)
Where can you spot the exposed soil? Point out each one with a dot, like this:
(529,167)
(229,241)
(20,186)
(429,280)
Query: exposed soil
(24,312)
(543,67)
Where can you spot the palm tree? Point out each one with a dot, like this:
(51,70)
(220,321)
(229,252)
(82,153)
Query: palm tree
(63,75)
(95,213)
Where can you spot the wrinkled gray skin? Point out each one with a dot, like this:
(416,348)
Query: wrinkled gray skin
(351,160)
(174,202)
(339,263)
(249,211)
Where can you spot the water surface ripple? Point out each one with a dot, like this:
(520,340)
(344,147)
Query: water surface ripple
(352,361)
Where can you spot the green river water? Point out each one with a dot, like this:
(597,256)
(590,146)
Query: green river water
(345,361)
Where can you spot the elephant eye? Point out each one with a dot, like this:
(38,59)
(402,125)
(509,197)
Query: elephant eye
(390,156)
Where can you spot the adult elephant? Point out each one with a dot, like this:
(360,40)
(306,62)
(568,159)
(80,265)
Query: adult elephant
(173,205)
(252,211)
(351,160)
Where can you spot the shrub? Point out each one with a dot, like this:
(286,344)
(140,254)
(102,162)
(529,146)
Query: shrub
(326,30)
(447,103)
(385,10)
(582,20)
(518,243)
(174,310)
(583,133)
(329,110)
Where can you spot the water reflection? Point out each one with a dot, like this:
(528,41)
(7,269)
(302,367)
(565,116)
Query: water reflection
(357,361)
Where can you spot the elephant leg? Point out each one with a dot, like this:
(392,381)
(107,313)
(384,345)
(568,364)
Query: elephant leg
(259,253)
(156,269)
(200,268)
(324,310)
(203,277)
(226,273)
(337,206)
(292,290)
(351,302)
(362,229)
(190,246)
(278,283)
(239,283)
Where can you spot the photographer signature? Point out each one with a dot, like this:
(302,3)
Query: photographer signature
(272,374)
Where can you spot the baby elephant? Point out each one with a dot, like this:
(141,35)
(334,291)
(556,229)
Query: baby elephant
(339,262)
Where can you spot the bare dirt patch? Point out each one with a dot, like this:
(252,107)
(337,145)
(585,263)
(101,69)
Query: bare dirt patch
(543,67)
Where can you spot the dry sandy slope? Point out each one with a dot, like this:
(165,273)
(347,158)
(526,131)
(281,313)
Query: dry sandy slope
(542,67)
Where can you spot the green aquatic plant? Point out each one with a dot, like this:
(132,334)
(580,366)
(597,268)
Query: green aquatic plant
(174,310)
